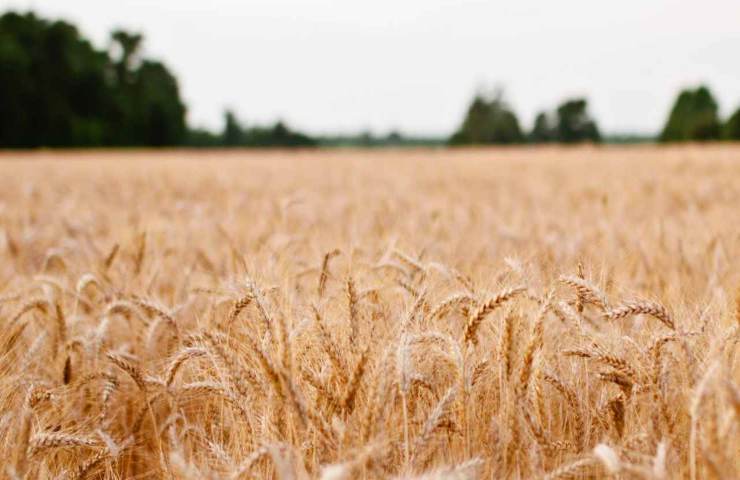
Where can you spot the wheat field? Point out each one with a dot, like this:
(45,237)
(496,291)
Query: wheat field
(420,314)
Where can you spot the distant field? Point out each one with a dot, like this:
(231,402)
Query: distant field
(341,314)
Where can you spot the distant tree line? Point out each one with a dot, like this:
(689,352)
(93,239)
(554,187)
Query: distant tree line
(58,90)
(695,117)
(490,120)
(368,139)
(236,135)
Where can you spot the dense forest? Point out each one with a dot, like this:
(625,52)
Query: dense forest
(58,90)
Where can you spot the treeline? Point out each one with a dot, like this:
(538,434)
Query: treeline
(58,90)
(236,135)
(490,120)
(368,139)
(695,117)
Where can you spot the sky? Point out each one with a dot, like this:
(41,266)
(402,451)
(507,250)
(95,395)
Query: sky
(342,66)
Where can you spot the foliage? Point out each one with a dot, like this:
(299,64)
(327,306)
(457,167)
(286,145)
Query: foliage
(201,137)
(571,123)
(628,138)
(489,120)
(369,139)
(575,124)
(233,134)
(53,88)
(543,130)
(57,90)
(731,129)
(278,135)
(693,117)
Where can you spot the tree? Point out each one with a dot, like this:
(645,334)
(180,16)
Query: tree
(693,117)
(159,114)
(129,46)
(201,137)
(543,130)
(279,135)
(148,110)
(489,120)
(574,124)
(53,89)
(232,134)
(731,129)
(57,90)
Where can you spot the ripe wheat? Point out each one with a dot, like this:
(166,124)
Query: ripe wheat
(417,315)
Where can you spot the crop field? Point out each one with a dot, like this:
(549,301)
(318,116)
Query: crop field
(410,314)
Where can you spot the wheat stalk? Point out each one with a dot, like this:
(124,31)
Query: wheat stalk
(484,309)
(49,440)
(643,307)
(587,292)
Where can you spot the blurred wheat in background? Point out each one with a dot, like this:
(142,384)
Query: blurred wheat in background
(438,315)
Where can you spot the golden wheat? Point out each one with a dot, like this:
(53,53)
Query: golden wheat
(336,315)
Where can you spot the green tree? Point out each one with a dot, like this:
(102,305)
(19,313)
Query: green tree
(574,124)
(489,120)
(233,134)
(201,137)
(278,135)
(53,89)
(148,110)
(543,130)
(693,117)
(731,129)
(57,90)
(159,114)
(129,47)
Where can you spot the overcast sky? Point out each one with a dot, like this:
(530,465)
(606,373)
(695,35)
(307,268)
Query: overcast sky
(345,65)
